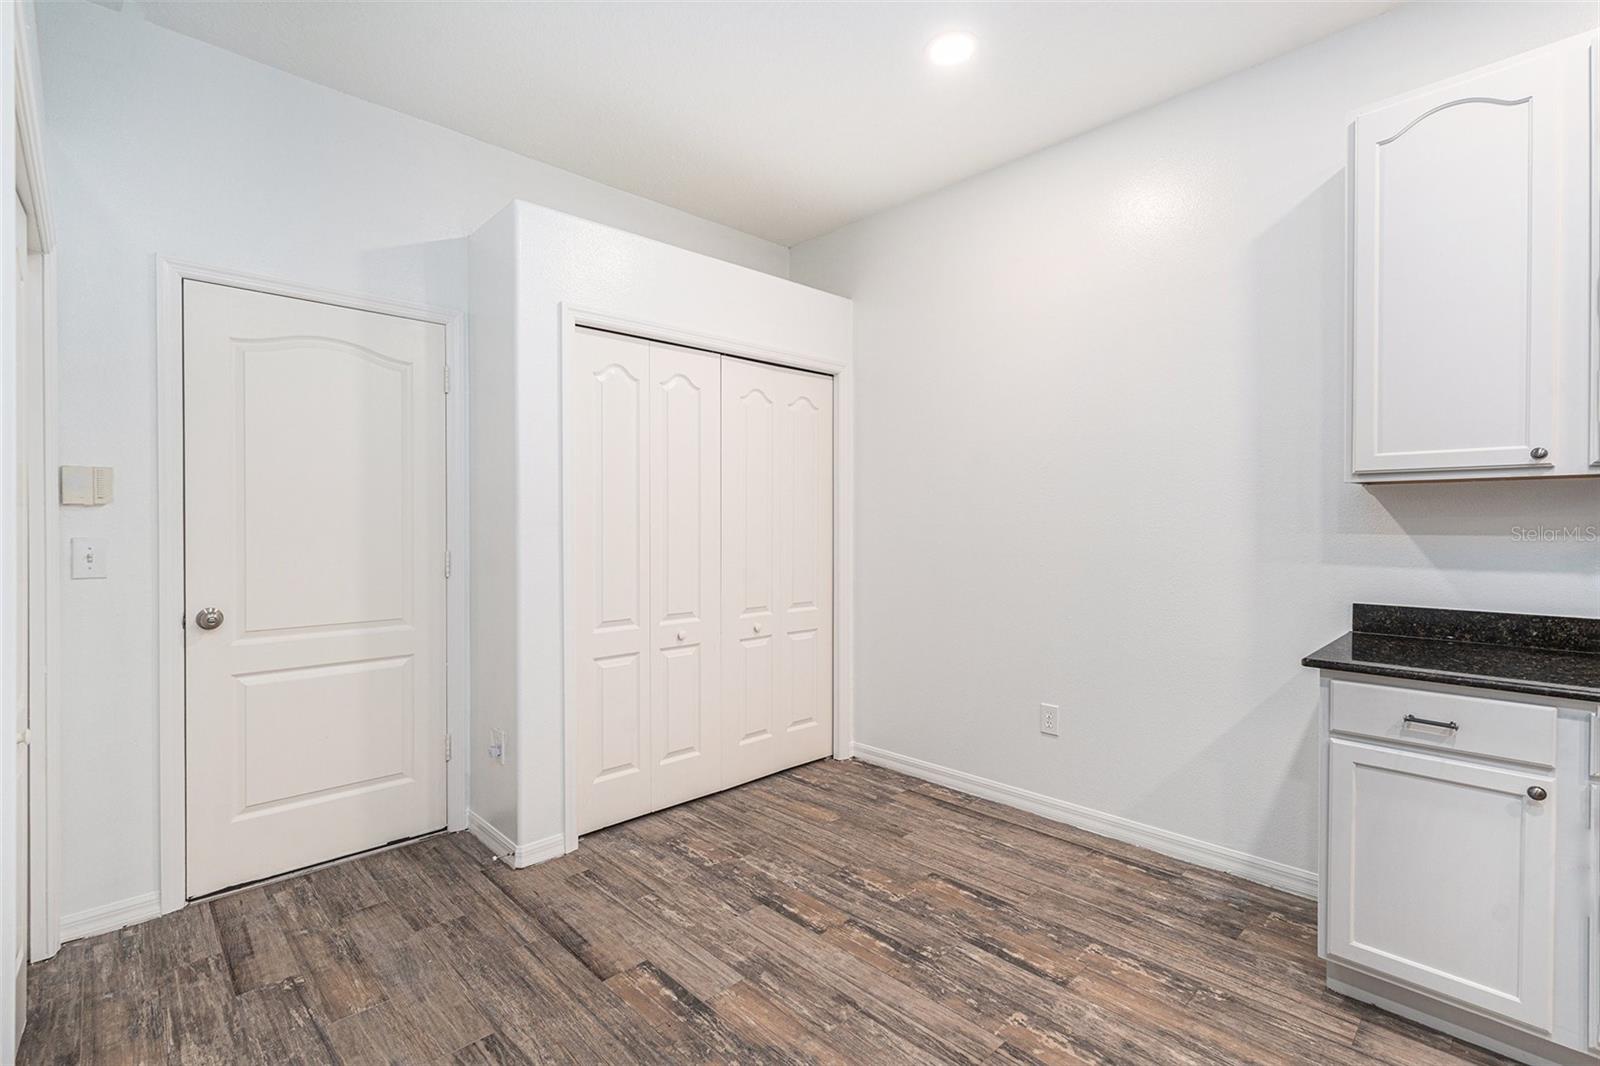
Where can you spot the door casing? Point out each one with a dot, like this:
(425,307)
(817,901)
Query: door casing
(44,578)
(171,274)
(572,317)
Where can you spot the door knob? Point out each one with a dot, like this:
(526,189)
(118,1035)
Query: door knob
(1536,793)
(1540,453)
(208,618)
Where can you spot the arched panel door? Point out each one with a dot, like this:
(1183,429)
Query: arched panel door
(314,511)
(777,477)
(611,466)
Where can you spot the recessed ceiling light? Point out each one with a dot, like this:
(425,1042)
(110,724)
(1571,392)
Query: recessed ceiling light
(949,49)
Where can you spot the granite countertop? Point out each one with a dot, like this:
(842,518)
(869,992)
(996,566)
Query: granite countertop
(1542,655)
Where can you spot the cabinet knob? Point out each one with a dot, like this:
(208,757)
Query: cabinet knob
(1540,453)
(756,627)
(680,636)
(1537,793)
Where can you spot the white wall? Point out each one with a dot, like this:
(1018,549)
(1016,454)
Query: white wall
(560,260)
(162,145)
(1100,449)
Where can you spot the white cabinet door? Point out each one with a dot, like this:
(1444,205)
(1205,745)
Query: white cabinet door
(611,468)
(1469,244)
(1441,874)
(685,573)
(314,507)
(777,484)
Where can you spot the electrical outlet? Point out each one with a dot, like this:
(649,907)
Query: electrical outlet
(497,745)
(1049,719)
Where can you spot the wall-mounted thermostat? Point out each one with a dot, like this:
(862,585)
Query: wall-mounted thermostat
(85,486)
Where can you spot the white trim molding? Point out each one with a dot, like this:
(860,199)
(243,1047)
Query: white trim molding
(515,855)
(109,917)
(844,524)
(44,756)
(170,276)
(1199,852)
(30,134)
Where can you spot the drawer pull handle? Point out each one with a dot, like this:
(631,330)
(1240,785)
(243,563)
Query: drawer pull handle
(1412,719)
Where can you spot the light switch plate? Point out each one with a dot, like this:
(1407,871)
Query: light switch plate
(88,558)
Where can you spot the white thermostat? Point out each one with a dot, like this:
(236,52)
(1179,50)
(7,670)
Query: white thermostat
(85,486)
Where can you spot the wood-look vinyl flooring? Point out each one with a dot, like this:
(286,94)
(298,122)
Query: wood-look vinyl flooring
(835,913)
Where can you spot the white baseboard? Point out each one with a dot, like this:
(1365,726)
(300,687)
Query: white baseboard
(109,917)
(1200,852)
(516,855)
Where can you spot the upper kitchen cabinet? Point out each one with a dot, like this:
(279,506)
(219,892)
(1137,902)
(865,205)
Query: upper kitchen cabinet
(1471,354)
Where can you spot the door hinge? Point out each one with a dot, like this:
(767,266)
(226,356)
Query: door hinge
(447,378)
(447,563)
(449,748)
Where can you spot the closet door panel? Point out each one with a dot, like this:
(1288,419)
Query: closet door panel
(685,572)
(751,687)
(805,568)
(611,466)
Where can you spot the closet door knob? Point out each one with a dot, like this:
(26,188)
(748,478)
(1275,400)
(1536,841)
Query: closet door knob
(1536,793)
(1540,453)
(208,618)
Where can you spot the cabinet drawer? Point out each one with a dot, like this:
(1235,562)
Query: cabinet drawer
(1496,728)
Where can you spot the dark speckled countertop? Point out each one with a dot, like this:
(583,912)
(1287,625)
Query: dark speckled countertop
(1542,655)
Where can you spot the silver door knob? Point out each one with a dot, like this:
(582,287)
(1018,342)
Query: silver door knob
(1536,793)
(208,618)
(1540,453)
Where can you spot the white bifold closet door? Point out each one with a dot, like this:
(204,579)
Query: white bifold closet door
(777,567)
(703,571)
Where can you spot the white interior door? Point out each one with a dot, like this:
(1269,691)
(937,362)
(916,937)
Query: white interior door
(777,483)
(750,571)
(805,565)
(1441,873)
(314,507)
(1463,218)
(686,734)
(611,466)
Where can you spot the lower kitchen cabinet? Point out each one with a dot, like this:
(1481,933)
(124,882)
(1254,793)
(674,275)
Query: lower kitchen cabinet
(1441,874)
(1460,824)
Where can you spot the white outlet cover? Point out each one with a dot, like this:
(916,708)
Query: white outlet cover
(1050,719)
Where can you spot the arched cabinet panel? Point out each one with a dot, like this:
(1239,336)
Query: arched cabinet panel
(1469,245)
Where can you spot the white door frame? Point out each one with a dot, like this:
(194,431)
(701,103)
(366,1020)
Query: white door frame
(170,276)
(44,578)
(844,517)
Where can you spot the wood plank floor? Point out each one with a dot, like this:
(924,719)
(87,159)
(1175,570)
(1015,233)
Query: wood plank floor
(837,913)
